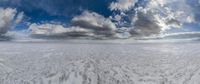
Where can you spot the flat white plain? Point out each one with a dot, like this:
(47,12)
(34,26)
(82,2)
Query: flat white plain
(99,63)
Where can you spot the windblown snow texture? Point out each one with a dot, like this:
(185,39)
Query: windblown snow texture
(74,63)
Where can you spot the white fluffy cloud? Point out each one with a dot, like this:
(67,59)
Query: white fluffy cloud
(86,25)
(95,22)
(8,17)
(122,5)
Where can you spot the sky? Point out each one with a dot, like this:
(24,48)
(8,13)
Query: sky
(98,18)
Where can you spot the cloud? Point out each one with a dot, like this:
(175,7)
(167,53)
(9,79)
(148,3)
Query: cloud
(88,24)
(7,18)
(95,22)
(148,18)
(137,17)
(19,17)
(57,31)
(122,5)
(148,22)
(146,25)
(153,16)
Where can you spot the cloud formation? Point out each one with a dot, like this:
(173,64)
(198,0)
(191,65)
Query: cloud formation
(153,16)
(8,17)
(95,22)
(88,24)
(138,18)
(122,5)
(48,30)
(135,17)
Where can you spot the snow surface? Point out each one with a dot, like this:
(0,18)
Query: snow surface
(99,63)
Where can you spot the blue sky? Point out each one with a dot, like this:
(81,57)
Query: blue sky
(120,13)
(57,10)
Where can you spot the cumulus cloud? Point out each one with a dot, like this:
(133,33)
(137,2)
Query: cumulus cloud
(8,18)
(88,24)
(153,16)
(145,24)
(95,22)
